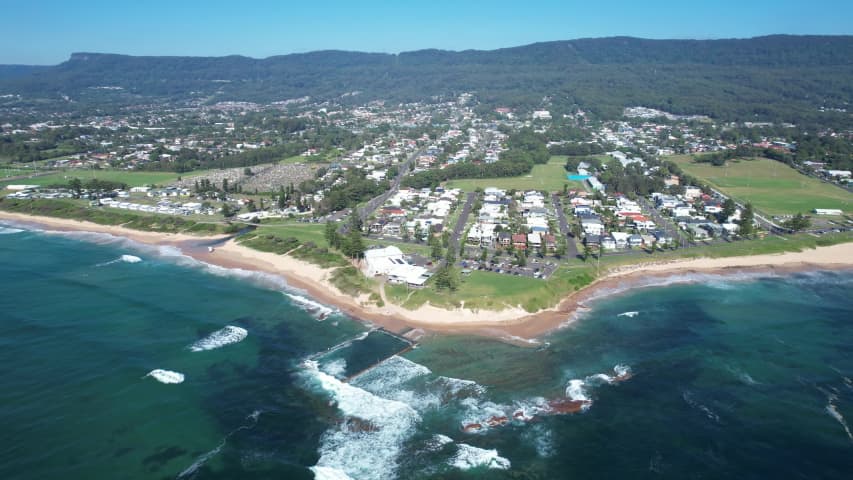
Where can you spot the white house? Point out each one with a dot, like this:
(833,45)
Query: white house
(592,226)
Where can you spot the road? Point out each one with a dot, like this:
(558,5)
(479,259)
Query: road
(571,244)
(453,244)
(666,223)
(377,202)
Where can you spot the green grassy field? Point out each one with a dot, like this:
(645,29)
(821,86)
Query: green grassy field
(549,177)
(304,232)
(133,179)
(494,291)
(773,187)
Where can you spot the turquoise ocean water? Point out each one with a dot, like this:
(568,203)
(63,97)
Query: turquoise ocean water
(743,376)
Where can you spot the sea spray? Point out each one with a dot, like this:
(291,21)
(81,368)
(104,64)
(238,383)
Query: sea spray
(225,336)
(468,457)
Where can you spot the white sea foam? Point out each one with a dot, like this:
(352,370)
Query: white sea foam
(575,391)
(437,442)
(832,410)
(189,471)
(166,376)
(476,411)
(515,339)
(318,309)
(220,338)
(628,314)
(468,457)
(364,454)
(336,368)
(392,379)
(578,390)
(130,259)
(328,473)
(9,230)
(622,370)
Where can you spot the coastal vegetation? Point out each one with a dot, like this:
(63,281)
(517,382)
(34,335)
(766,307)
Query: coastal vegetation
(772,187)
(77,210)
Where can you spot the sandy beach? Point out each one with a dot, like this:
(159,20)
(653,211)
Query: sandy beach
(512,324)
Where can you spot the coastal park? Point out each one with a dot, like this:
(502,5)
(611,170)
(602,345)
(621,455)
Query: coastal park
(549,177)
(774,188)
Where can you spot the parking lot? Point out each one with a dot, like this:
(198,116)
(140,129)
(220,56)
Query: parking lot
(534,268)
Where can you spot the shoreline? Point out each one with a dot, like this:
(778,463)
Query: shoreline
(513,325)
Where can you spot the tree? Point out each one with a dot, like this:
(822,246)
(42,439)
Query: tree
(587,251)
(747,217)
(437,251)
(418,233)
(729,209)
(797,223)
(77,186)
(447,278)
(227,211)
(331,234)
(561,249)
(353,246)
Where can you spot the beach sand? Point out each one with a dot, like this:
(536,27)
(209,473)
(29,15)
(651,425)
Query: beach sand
(512,324)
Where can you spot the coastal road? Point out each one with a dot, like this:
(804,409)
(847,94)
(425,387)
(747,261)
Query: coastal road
(571,245)
(453,244)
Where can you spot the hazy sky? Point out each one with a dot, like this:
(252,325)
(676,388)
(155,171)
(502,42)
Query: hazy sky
(47,31)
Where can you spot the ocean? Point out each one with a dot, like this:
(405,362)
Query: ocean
(122,360)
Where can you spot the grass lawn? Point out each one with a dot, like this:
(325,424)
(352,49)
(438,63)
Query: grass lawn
(494,291)
(304,232)
(134,179)
(549,177)
(762,246)
(773,187)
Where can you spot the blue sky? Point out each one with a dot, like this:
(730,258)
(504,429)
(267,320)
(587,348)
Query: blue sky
(47,31)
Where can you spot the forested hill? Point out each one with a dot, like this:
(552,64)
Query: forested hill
(776,77)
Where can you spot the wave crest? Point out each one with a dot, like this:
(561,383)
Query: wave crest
(225,336)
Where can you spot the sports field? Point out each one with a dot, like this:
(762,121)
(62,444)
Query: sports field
(549,177)
(773,187)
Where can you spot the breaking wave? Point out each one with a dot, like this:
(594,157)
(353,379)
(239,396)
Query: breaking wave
(468,457)
(329,473)
(225,336)
(369,446)
(166,376)
(336,368)
(9,230)
(318,309)
(124,258)
(628,314)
